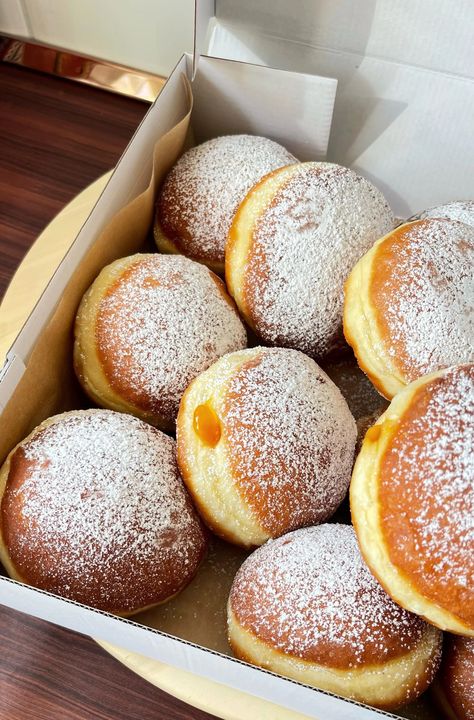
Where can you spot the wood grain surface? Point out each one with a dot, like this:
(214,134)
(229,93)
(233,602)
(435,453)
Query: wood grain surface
(56,137)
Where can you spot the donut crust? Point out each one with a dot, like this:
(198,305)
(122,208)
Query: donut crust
(291,246)
(200,194)
(385,498)
(373,317)
(306,607)
(104,362)
(372,685)
(247,489)
(14,472)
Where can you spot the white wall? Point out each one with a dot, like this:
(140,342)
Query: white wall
(146,34)
(12,18)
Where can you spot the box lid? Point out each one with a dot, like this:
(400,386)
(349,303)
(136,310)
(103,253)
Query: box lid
(294,107)
(405,102)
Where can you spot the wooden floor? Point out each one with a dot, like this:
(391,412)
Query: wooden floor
(55,138)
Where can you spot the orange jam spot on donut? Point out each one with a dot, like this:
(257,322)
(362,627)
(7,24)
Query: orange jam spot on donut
(373,433)
(206,425)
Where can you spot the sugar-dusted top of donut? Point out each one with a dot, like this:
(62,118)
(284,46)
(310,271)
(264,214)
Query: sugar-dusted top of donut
(291,438)
(164,320)
(305,242)
(462,210)
(310,595)
(203,190)
(95,510)
(422,291)
(426,491)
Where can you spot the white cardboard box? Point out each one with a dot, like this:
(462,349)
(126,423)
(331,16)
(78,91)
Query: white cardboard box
(229,96)
(404,112)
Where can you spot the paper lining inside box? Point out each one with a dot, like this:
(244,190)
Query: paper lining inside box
(48,386)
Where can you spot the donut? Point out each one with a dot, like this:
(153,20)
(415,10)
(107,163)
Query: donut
(454,687)
(412,498)
(201,193)
(146,327)
(409,303)
(293,241)
(93,509)
(459,210)
(265,444)
(306,606)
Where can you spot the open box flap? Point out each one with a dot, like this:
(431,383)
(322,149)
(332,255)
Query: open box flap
(302,122)
(405,102)
(433,34)
(306,100)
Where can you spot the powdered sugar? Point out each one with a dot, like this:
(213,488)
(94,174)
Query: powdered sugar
(305,244)
(103,511)
(165,321)
(290,438)
(205,187)
(425,296)
(310,594)
(427,481)
(462,210)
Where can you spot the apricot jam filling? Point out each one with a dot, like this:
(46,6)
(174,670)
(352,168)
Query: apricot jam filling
(206,425)
(373,433)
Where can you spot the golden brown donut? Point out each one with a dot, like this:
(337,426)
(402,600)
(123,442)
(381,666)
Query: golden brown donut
(454,687)
(265,444)
(292,244)
(409,303)
(201,193)
(93,509)
(412,498)
(146,327)
(307,607)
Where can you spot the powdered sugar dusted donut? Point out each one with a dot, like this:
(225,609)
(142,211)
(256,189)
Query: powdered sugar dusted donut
(412,498)
(409,306)
(462,210)
(146,327)
(454,685)
(265,444)
(93,509)
(203,190)
(306,606)
(292,244)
